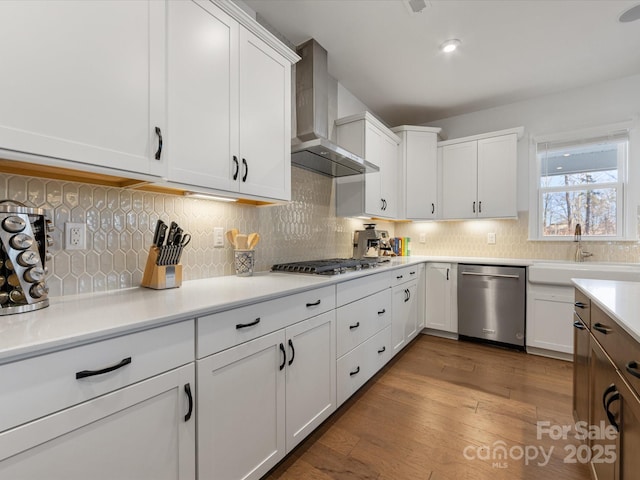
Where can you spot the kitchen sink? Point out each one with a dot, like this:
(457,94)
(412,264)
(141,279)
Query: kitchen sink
(561,273)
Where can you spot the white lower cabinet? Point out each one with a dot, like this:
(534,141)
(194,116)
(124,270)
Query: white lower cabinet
(261,398)
(405,306)
(361,363)
(550,320)
(441,297)
(117,421)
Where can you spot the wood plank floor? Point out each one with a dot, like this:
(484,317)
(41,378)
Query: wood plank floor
(436,401)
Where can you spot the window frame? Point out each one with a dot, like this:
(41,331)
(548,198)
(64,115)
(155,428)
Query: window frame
(626,184)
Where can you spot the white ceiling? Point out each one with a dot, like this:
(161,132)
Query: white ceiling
(511,50)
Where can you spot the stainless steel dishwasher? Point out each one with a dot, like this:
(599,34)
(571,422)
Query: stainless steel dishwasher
(492,304)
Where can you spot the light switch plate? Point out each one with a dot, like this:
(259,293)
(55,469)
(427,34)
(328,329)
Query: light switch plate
(218,237)
(491,238)
(423,238)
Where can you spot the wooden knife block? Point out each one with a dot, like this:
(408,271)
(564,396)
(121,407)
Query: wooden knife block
(160,277)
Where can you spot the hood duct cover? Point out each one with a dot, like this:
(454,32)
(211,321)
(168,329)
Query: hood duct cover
(316,152)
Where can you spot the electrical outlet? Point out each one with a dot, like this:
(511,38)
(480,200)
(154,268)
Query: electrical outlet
(75,236)
(218,237)
(491,238)
(423,238)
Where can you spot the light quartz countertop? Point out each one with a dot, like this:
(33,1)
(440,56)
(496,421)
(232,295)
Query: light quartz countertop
(619,300)
(78,319)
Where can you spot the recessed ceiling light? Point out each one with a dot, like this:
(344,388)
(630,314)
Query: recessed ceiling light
(630,15)
(450,45)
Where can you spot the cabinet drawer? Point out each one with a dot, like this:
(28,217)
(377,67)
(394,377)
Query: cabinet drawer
(362,319)
(353,290)
(405,274)
(226,329)
(582,306)
(41,385)
(361,363)
(619,345)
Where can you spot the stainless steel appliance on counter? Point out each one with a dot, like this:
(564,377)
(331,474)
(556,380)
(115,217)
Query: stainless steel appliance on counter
(370,242)
(331,266)
(492,304)
(24,238)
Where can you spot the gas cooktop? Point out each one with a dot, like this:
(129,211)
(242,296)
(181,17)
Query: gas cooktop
(332,266)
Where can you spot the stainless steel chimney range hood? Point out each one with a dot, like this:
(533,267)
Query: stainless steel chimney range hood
(316,152)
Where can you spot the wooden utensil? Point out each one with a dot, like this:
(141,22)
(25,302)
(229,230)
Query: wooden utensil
(241,242)
(231,237)
(253,240)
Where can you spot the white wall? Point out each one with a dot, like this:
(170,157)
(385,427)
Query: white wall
(605,103)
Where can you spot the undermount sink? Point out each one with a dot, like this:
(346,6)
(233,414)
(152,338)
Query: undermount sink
(561,273)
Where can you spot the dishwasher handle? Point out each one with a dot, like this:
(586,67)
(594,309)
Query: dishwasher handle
(500,275)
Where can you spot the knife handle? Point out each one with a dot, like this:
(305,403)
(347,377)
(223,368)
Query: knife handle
(161,234)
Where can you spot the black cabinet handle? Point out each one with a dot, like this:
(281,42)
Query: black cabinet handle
(580,305)
(602,328)
(314,304)
(407,295)
(412,273)
(578,324)
(355,372)
(480,207)
(433,208)
(159,151)
(606,403)
(382,350)
(382,312)
(187,390)
(293,352)
(284,356)
(246,170)
(235,174)
(92,373)
(632,368)
(447,274)
(399,277)
(245,325)
(474,207)
(352,327)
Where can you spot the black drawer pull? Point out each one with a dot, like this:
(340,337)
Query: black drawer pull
(632,368)
(382,350)
(351,327)
(245,325)
(580,305)
(412,273)
(187,390)
(399,277)
(578,324)
(602,328)
(382,312)
(355,372)
(91,373)
(314,304)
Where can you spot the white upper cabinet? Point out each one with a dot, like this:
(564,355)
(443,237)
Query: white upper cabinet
(418,173)
(479,176)
(229,103)
(203,77)
(373,194)
(83,82)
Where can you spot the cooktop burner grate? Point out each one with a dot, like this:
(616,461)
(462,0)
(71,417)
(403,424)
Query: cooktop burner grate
(326,267)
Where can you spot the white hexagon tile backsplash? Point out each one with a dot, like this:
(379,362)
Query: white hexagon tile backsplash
(120,225)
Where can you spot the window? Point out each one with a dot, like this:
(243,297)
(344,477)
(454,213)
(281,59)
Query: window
(582,182)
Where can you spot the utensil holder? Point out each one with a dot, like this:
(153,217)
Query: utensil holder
(244,262)
(160,277)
